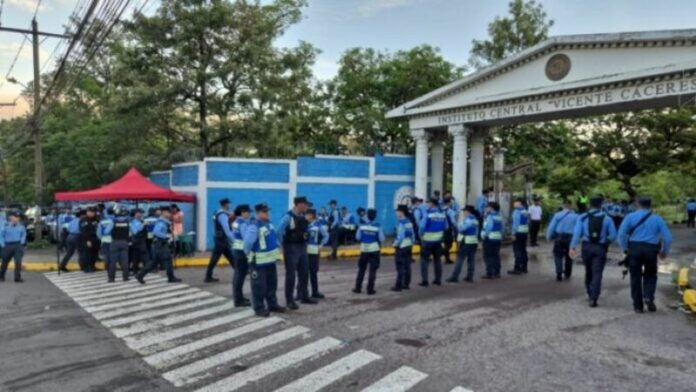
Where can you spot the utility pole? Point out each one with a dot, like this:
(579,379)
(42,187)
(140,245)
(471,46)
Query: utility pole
(35,123)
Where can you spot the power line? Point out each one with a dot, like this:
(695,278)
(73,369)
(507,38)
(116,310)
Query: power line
(12,65)
(36,10)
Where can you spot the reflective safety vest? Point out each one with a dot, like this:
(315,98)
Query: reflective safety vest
(313,243)
(103,224)
(237,238)
(496,232)
(265,251)
(405,228)
(435,223)
(470,235)
(523,224)
(369,237)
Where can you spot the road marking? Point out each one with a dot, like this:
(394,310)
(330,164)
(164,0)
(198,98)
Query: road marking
(172,320)
(331,373)
(131,295)
(158,304)
(126,302)
(98,287)
(400,380)
(77,278)
(84,283)
(264,369)
(461,389)
(169,357)
(192,372)
(117,292)
(147,315)
(140,342)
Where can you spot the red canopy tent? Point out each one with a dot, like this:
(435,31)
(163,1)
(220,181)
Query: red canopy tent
(132,186)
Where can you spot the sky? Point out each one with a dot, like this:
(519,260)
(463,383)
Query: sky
(334,26)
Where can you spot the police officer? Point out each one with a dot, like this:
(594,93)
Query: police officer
(467,240)
(415,216)
(334,227)
(370,236)
(691,213)
(138,249)
(13,237)
(482,202)
(90,241)
(152,217)
(432,229)
(451,232)
(348,226)
(64,220)
(241,264)
(222,238)
(120,238)
(492,235)
(520,230)
(161,252)
(262,249)
(72,241)
(292,232)
(104,228)
(596,231)
(639,235)
(318,237)
(403,244)
(560,231)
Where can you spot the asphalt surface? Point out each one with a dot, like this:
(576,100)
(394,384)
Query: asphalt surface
(526,333)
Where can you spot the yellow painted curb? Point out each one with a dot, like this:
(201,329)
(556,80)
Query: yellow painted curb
(45,266)
(690,299)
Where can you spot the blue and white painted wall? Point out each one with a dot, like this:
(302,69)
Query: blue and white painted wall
(380,182)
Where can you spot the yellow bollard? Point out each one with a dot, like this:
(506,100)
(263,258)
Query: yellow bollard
(690,299)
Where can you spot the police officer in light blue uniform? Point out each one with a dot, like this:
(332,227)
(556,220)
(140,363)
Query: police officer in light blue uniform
(73,240)
(104,227)
(120,238)
(318,237)
(520,231)
(560,231)
(482,202)
(222,238)
(13,237)
(596,231)
(334,221)
(492,235)
(403,244)
(64,220)
(449,208)
(161,252)
(432,228)
(640,235)
(241,264)
(262,249)
(139,254)
(467,240)
(370,236)
(691,213)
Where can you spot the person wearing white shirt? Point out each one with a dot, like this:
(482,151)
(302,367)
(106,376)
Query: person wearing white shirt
(535,213)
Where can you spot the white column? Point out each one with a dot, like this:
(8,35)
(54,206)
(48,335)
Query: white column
(437,163)
(460,134)
(477,154)
(421,138)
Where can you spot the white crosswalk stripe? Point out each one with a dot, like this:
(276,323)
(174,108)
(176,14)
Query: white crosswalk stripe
(402,379)
(331,373)
(172,320)
(264,369)
(170,357)
(194,337)
(140,342)
(120,303)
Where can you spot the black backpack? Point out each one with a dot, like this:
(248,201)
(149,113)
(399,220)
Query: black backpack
(595,225)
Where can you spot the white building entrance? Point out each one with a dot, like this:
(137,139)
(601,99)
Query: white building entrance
(562,77)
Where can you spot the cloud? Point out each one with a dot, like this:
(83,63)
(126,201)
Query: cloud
(28,5)
(368,8)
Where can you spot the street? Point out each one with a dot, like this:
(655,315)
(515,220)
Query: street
(529,333)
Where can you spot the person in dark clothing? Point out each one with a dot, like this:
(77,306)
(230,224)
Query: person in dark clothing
(90,242)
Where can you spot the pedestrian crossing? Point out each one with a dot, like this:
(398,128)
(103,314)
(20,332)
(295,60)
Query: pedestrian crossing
(199,341)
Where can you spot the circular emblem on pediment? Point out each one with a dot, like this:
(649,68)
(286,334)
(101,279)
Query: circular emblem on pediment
(557,67)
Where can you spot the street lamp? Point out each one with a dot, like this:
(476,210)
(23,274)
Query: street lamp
(15,81)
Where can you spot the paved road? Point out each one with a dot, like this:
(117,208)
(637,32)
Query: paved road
(529,333)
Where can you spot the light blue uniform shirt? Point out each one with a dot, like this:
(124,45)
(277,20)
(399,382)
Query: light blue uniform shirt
(563,222)
(224,221)
(582,232)
(13,232)
(336,218)
(401,232)
(691,206)
(161,229)
(516,215)
(251,234)
(74,226)
(380,232)
(481,203)
(490,222)
(650,231)
(105,227)
(136,226)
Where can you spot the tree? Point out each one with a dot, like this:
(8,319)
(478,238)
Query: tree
(526,25)
(370,83)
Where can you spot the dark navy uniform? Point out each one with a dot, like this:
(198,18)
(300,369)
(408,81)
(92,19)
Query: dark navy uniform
(293,234)
(118,254)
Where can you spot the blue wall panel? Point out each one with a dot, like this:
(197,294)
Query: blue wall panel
(387,196)
(332,167)
(248,171)
(391,165)
(161,179)
(277,199)
(185,175)
(350,195)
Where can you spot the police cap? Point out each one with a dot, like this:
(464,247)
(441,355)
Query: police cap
(224,201)
(261,207)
